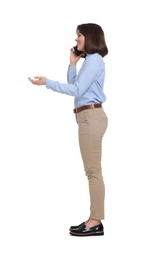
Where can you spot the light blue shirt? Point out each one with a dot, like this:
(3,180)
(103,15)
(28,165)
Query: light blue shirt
(86,85)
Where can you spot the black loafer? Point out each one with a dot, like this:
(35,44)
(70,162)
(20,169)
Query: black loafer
(82,230)
(72,228)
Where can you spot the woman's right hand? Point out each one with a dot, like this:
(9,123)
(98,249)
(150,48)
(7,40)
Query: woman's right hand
(73,58)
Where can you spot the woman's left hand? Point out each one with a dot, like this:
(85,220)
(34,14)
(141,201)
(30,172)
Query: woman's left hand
(38,80)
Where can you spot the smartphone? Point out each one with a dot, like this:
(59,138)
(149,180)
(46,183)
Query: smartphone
(78,53)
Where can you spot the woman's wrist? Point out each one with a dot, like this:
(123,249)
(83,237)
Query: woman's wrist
(72,64)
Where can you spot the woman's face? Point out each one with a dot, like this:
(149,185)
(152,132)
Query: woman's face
(80,39)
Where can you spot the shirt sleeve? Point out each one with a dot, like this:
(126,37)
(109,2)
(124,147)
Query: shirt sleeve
(88,73)
(71,74)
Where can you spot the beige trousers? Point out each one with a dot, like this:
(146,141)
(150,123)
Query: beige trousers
(92,124)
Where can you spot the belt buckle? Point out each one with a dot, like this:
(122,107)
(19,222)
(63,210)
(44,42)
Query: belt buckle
(75,110)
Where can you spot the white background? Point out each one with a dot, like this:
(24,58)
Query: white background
(43,188)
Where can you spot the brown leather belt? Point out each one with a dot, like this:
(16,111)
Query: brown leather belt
(79,109)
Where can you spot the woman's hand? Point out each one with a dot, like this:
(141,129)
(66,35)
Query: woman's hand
(73,58)
(38,80)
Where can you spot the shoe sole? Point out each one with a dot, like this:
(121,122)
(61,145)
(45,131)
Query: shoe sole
(100,233)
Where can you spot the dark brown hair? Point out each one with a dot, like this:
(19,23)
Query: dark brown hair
(94,38)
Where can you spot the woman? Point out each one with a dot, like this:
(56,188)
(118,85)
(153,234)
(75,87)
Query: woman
(87,88)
